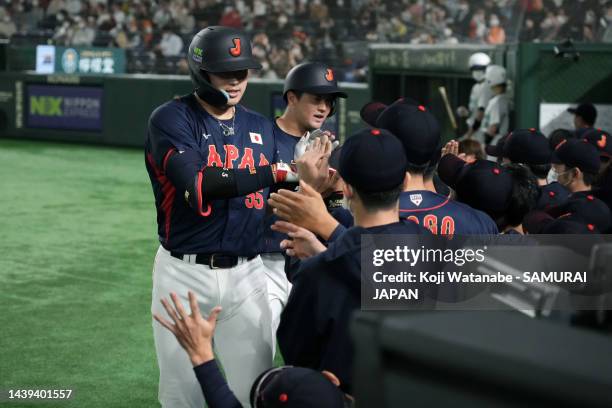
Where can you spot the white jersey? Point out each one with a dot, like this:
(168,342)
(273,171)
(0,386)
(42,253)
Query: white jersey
(479,97)
(497,113)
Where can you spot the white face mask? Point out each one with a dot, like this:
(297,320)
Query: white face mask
(478,75)
(552,176)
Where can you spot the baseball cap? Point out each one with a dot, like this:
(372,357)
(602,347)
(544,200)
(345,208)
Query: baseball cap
(295,387)
(334,158)
(586,206)
(415,127)
(497,150)
(373,160)
(483,184)
(577,153)
(601,140)
(552,194)
(370,112)
(586,111)
(528,146)
(569,224)
(535,221)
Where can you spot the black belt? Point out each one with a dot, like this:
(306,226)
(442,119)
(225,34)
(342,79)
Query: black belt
(214,261)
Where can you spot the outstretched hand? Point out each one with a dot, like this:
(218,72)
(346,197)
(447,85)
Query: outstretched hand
(313,165)
(301,244)
(193,332)
(304,208)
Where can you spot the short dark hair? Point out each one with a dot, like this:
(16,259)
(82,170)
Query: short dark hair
(383,200)
(417,168)
(296,92)
(540,170)
(525,194)
(471,146)
(604,180)
(589,178)
(430,170)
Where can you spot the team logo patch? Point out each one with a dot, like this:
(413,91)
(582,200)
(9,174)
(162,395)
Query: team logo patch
(197,54)
(416,199)
(235,51)
(256,138)
(602,141)
(329,75)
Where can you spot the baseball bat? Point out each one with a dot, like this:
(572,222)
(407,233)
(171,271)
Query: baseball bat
(449,111)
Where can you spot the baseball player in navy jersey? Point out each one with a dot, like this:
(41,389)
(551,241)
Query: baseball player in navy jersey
(310,91)
(211,162)
(419,132)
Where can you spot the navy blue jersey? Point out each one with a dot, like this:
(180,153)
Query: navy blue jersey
(552,194)
(285,147)
(220,226)
(441,215)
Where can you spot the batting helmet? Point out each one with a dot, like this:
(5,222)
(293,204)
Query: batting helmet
(218,49)
(479,60)
(313,78)
(495,75)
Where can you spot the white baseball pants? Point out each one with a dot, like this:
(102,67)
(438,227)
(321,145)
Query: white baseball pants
(245,334)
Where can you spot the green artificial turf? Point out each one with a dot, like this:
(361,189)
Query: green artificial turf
(78,237)
(77,240)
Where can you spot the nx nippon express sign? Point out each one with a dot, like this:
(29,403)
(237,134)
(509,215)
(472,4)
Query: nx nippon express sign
(64,107)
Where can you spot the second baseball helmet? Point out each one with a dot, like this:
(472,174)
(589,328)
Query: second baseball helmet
(314,78)
(218,49)
(495,75)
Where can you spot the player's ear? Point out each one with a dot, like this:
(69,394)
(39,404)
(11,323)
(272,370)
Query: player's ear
(347,190)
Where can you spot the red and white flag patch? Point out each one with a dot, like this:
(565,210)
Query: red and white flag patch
(256,138)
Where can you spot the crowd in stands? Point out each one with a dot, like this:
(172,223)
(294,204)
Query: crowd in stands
(156,34)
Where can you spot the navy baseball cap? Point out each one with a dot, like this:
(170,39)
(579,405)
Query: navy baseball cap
(295,387)
(535,221)
(483,184)
(577,153)
(415,126)
(370,112)
(497,150)
(601,140)
(552,194)
(528,146)
(334,158)
(569,224)
(540,222)
(586,206)
(373,160)
(586,111)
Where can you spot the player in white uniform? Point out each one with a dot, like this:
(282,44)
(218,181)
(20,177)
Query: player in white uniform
(479,96)
(496,120)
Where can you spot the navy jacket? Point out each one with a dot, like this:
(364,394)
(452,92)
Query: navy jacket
(314,328)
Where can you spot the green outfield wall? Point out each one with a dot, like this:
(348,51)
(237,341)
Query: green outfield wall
(114,110)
